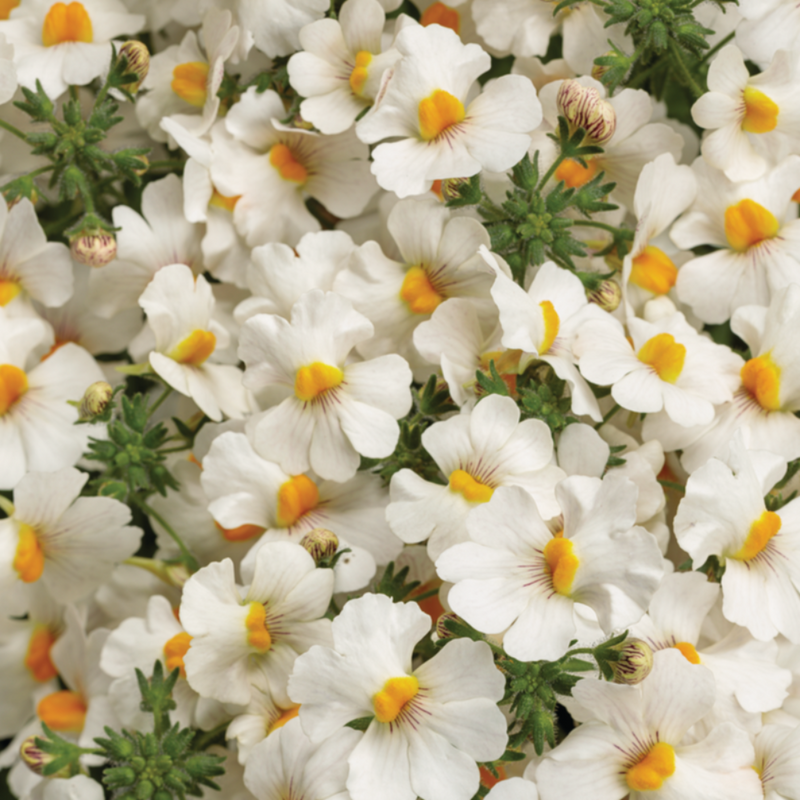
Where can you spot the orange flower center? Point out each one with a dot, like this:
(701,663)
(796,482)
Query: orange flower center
(285,717)
(688,651)
(258,636)
(761,531)
(442,14)
(472,489)
(316,379)
(748,223)
(562,563)
(63,711)
(195,348)
(418,292)
(762,378)
(664,355)
(651,772)
(243,533)
(761,113)
(654,271)
(37,659)
(296,497)
(438,112)
(360,73)
(13,384)
(66,23)
(574,175)
(189,82)
(8,291)
(396,692)
(551,326)
(222,201)
(6,6)
(289,168)
(28,557)
(174,651)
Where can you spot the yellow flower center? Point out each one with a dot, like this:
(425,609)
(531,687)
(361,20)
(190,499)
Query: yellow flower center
(688,651)
(289,168)
(296,497)
(761,113)
(66,23)
(360,73)
(37,659)
(63,711)
(13,384)
(654,271)
(316,379)
(390,700)
(8,291)
(243,533)
(28,557)
(418,292)
(562,563)
(664,355)
(6,7)
(472,490)
(195,348)
(574,175)
(444,15)
(748,223)
(762,378)
(222,201)
(551,326)
(651,772)
(285,717)
(761,531)
(189,82)
(438,112)
(174,651)
(257,631)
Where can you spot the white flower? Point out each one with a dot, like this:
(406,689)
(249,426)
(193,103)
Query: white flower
(334,410)
(768,25)
(8,72)
(776,761)
(440,133)
(179,308)
(243,636)
(477,452)
(60,44)
(430,725)
(516,575)
(276,24)
(261,718)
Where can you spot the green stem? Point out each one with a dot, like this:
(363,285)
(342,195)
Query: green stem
(207,737)
(550,172)
(168,164)
(616,407)
(151,565)
(164,395)
(175,449)
(11,129)
(694,87)
(672,485)
(625,233)
(33,174)
(6,506)
(188,559)
(718,46)
(73,93)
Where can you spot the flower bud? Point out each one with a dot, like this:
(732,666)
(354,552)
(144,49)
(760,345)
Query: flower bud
(598,70)
(320,543)
(145,166)
(607,295)
(95,400)
(138,63)
(441,629)
(94,249)
(36,759)
(450,188)
(584,108)
(176,574)
(635,662)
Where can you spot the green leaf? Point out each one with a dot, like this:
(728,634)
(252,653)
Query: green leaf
(395,586)
(493,383)
(360,724)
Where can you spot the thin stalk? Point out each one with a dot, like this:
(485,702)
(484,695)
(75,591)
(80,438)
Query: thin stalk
(188,559)
(718,46)
(164,395)
(11,129)
(207,737)
(590,223)
(616,407)
(672,485)
(694,87)
(7,506)
(550,172)
(33,174)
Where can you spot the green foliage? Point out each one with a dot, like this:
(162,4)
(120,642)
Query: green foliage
(775,499)
(395,586)
(712,567)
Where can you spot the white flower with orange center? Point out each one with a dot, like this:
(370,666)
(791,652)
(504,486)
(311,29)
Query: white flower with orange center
(439,131)
(37,430)
(179,308)
(67,542)
(665,364)
(248,493)
(634,743)
(723,514)
(273,168)
(184,79)
(517,576)
(341,64)
(438,258)
(63,44)
(429,725)
(334,410)
(756,230)
(477,452)
(243,636)
(752,119)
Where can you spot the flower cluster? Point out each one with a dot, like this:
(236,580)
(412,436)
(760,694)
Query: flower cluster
(399,399)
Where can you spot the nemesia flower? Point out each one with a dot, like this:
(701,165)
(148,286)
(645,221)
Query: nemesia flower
(633,744)
(776,760)
(477,452)
(439,132)
(276,24)
(178,308)
(516,575)
(243,635)
(430,724)
(334,411)
(768,25)
(513,789)
(753,119)
(60,44)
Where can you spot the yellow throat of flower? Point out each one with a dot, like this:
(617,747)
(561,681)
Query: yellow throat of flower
(438,112)
(66,23)
(392,698)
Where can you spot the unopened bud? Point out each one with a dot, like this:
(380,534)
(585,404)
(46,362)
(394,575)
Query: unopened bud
(138,63)
(299,122)
(95,400)
(583,107)
(635,662)
(94,249)
(598,70)
(320,543)
(145,166)
(442,630)
(176,573)
(36,759)
(450,187)
(607,295)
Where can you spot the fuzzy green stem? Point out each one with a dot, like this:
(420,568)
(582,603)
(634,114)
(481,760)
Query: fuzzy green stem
(718,46)
(683,70)
(163,396)
(672,485)
(11,129)
(616,407)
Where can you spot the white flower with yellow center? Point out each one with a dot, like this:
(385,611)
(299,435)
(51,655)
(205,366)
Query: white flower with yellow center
(341,65)
(543,323)
(666,365)
(439,130)
(776,761)
(754,120)
(184,79)
(37,430)
(334,410)
(438,258)
(273,169)
(67,542)
(179,308)
(477,452)
(430,725)
(635,743)
(754,225)
(723,514)
(243,636)
(251,495)
(516,576)
(60,44)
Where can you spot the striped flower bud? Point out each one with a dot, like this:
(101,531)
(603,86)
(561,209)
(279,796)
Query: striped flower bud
(137,57)
(607,295)
(635,662)
(584,108)
(94,249)
(36,759)
(320,543)
(95,400)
